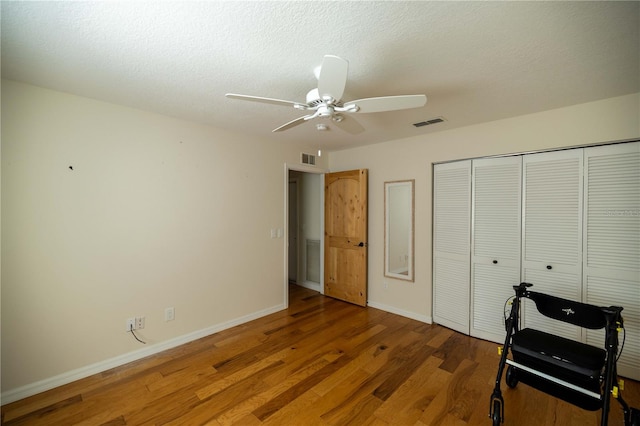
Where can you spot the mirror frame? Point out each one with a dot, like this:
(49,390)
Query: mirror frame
(409,276)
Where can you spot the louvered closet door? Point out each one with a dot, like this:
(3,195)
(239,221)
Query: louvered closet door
(451,247)
(552,233)
(612,242)
(495,242)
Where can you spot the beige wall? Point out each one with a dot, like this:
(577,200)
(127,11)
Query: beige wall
(157,212)
(607,120)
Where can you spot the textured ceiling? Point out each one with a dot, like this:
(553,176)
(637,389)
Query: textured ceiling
(475,61)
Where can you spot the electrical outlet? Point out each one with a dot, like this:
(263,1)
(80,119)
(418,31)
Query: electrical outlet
(131,324)
(169,314)
(139,323)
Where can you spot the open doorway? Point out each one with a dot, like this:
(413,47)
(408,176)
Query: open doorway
(304,227)
(292,227)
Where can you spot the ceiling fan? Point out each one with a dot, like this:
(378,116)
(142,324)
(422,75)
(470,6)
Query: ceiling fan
(326,100)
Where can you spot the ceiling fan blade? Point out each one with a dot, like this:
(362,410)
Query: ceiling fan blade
(333,77)
(265,100)
(387,103)
(292,123)
(349,125)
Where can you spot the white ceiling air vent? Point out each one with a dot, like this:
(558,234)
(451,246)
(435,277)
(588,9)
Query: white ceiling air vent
(429,122)
(308,159)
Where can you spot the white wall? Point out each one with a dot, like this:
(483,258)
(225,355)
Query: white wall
(156,212)
(607,120)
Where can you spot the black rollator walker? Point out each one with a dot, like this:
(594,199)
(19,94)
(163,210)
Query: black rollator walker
(578,373)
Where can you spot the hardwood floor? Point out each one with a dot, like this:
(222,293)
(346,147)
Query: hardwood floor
(321,362)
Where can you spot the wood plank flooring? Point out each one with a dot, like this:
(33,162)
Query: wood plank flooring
(321,362)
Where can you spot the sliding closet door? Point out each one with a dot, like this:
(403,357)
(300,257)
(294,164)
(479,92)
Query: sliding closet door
(552,233)
(451,246)
(612,242)
(495,242)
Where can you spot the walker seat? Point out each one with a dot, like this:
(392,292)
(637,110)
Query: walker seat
(570,361)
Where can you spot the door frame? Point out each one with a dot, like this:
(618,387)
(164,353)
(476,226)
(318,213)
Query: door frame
(304,169)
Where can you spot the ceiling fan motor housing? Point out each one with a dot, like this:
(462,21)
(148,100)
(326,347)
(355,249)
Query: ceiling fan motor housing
(313,99)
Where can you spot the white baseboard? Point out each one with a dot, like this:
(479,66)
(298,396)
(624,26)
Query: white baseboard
(13,395)
(310,285)
(403,313)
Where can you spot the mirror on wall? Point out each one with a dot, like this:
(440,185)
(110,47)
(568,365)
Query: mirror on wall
(398,229)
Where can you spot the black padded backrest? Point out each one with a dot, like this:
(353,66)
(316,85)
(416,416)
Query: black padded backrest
(576,313)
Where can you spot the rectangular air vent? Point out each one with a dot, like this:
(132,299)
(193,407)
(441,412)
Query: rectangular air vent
(428,122)
(308,159)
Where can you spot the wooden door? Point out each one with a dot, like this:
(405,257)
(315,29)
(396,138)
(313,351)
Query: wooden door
(345,243)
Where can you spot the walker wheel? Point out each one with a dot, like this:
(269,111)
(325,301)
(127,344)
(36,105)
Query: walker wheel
(511,377)
(495,415)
